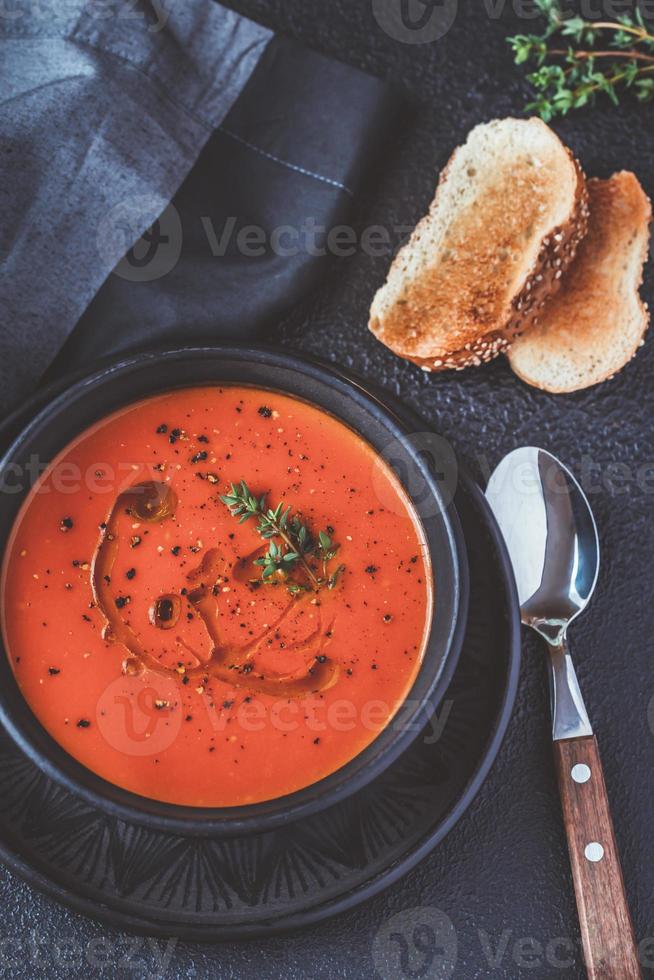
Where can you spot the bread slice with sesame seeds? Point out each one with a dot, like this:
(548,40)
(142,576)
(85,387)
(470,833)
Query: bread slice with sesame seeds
(596,322)
(509,212)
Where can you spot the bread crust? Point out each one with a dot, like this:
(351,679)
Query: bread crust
(621,183)
(557,250)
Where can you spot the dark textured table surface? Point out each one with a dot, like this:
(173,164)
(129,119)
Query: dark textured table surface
(502,876)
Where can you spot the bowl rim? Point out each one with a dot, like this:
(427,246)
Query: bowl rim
(33,739)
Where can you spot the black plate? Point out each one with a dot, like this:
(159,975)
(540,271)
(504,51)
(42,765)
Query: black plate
(426,478)
(202,889)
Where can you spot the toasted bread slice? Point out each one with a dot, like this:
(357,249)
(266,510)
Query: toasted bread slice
(509,212)
(596,322)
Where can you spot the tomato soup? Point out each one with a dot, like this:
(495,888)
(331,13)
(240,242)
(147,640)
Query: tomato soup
(216,596)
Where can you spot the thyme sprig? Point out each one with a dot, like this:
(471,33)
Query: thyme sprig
(291,543)
(597,57)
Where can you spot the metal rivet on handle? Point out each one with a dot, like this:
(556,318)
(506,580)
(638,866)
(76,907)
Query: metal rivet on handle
(580,773)
(594,852)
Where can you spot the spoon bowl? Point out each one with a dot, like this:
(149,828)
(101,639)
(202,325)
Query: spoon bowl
(551,536)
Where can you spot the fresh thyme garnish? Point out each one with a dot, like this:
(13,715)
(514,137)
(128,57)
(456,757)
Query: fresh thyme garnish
(572,76)
(291,543)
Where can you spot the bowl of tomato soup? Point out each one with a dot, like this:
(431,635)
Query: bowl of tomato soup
(233,588)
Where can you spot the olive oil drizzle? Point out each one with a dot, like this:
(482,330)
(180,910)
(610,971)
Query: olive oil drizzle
(234,665)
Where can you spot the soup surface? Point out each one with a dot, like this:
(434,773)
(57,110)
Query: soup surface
(190,638)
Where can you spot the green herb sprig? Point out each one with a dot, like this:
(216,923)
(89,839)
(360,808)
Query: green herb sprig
(595,58)
(291,543)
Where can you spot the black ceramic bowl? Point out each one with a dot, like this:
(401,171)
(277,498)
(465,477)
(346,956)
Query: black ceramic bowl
(88,400)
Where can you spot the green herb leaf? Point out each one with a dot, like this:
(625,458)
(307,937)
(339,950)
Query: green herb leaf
(290,541)
(616,56)
(332,581)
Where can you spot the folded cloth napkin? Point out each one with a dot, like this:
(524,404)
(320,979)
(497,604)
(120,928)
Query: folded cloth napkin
(168,174)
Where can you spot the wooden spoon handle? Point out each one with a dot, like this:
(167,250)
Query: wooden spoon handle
(606,928)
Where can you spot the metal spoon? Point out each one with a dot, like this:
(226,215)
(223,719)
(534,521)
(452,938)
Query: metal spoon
(552,541)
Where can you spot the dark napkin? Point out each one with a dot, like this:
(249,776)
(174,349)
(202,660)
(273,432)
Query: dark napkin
(280,172)
(103,112)
(261,144)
